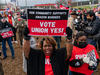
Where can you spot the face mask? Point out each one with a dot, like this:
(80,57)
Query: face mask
(82,44)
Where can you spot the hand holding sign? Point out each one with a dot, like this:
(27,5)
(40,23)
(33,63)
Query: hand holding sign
(7,32)
(69,33)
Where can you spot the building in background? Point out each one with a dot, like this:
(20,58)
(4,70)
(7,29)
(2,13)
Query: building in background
(31,3)
(79,0)
(27,2)
(46,6)
(84,2)
(99,1)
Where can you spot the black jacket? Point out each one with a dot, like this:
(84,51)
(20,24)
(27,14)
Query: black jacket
(93,28)
(5,25)
(36,62)
(0,17)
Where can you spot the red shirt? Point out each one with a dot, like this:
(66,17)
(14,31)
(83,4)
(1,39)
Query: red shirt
(48,66)
(10,19)
(78,53)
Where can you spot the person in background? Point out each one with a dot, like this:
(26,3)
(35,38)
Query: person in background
(23,14)
(11,21)
(72,21)
(10,16)
(20,25)
(33,46)
(97,36)
(1,67)
(84,15)
(0,38)
(48,60)
(92,28)
(4,24)
(0,16)
(58,40)
(84,59)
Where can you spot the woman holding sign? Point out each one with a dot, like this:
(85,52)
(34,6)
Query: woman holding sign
(48,60)
(6,34)
(84,59)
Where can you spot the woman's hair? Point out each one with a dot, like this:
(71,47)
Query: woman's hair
(49,40)
(79,34)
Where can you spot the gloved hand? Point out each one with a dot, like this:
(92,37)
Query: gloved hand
(76,63)
(86,60)
(69,33)
(26,32)
(93,65)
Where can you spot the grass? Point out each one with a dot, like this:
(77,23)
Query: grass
(86,7)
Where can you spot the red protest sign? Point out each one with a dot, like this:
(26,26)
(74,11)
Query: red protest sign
(47,22)
(5,33)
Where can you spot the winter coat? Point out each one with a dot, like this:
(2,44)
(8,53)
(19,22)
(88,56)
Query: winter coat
(36,62)
(93,29)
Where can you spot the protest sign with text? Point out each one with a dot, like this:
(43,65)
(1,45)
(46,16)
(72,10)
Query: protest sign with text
(7,32)
(47,22)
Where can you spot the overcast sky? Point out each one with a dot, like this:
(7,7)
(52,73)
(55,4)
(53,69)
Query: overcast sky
(30,2)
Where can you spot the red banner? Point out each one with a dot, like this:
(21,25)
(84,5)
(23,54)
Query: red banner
(47,22)
(63,7)
(50,27)
(6,33)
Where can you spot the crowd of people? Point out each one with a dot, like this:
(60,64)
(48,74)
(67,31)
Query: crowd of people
(46,57)
(87,21)
(16,22)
